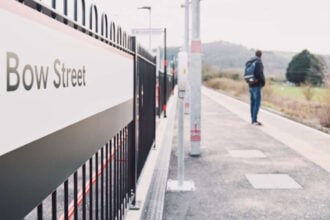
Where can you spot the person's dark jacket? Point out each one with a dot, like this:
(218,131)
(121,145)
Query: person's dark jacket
(258,72)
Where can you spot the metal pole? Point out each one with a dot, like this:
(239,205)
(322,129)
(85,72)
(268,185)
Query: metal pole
(180,184)
(182,95)
(181,136)
(135,204)
(136,113)
(195,81)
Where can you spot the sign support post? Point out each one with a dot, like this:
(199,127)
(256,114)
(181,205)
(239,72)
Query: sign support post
(180,184)
(158,31)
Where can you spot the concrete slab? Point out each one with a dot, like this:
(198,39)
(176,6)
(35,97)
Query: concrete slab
(272,181)
(174,186)
(249,154)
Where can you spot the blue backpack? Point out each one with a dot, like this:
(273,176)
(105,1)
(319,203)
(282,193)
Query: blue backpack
(249,72)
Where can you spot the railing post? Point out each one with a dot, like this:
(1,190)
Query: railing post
(165,73)
(136,97)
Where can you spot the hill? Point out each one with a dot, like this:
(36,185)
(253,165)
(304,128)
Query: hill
(224,55)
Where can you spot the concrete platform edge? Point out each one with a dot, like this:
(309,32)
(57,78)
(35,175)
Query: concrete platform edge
(149,172)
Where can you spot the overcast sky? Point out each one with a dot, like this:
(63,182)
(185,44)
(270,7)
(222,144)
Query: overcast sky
(290,25)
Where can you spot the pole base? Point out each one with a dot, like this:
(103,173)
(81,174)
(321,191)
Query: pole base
(187,186)
(195,149)
(195,154)
(136,206)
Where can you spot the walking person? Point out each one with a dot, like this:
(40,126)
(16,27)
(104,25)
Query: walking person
(254,75)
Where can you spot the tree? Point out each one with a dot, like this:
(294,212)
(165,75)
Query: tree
(306,68)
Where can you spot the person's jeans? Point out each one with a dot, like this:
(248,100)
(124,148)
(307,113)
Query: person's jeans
(255,95)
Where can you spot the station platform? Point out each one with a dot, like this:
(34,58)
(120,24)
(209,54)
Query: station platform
(276,171)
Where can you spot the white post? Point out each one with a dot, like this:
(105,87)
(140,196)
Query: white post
(180,184)
(183,71)
(195,81)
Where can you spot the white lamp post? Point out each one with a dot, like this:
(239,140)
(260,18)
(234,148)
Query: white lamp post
(149,9)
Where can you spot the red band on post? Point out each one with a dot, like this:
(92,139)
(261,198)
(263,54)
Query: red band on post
(196,46)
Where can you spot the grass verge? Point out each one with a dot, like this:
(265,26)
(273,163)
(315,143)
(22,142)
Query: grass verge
(308,105)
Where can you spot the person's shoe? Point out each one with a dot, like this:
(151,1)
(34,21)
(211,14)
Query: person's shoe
(257,123)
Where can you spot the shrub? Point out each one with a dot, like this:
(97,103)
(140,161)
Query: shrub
(236,77)
(308,92)
(305,67)
(325,116)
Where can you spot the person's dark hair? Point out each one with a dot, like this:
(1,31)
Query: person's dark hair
(258,53)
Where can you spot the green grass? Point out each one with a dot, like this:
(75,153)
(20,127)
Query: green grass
(320,94)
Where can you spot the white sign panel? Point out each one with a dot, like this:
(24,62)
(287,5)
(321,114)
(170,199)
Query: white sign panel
(147,31)
(52,76)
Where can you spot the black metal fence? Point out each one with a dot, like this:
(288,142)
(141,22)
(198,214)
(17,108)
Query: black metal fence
(104,185)
(165,86)
(147,102)
(101,188)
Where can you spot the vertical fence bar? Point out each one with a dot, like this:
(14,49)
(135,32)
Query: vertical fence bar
(125,167)
(135,133)
(129,161)
(66,200)
(121,174)
(115,177)
(54,206)
(132,167)
(75,194)
(165,71)
(107,181)
(96,186)
(128,164)
(91,188)
(102,184)
(83,192)
(40,212)
(111,179)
